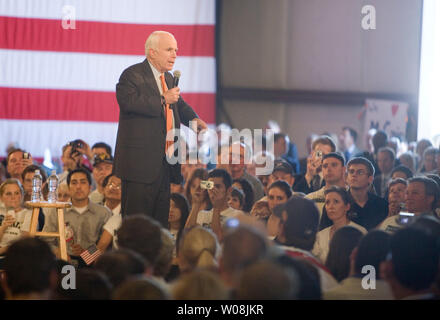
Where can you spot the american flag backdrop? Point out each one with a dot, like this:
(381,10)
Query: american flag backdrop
(58,84)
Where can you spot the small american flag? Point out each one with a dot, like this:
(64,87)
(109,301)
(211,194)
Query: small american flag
(91,254)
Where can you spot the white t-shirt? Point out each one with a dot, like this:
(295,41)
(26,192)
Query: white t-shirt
(204,218)
(116,210)
(322,243)
(112,225)
(22,223)
(80,210)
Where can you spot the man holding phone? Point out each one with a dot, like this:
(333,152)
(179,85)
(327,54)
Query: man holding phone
(312,180)
(17,161)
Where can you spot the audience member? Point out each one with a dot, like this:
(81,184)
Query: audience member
(286,150)
(238,152)
(408,160)
(282,171)
(413,264)
(337,205)
(101,148)
(199,284)
(242,246)
(396,204)
(385,162)
(312,180)
(15,219)
(347,141)
(309,281)
(368,209)
(266,280)
(402,172)
(102,167)
(142,234)
(27,176)
(299,219)
(193,189)
(120,265)
(30,270)
(17,161)
(429,160)
(371,252)
(421,146)
(90,284)
(422,195)
(236,199)
(112,201)
(303,161)
(82,213)
(141,288)
(63,192)
(333,172)
(244,186)
(198,248)
(164,261)
(279,192)
(341,247)
(218,194)
(179,212)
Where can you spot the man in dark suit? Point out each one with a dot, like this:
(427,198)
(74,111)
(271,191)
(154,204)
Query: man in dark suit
(148,110)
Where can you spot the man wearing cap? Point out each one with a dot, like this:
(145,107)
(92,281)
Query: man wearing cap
(102,167)
(299,220)
(333,172)
(282,171)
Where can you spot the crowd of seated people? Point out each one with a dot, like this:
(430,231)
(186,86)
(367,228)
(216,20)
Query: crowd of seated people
(330,226)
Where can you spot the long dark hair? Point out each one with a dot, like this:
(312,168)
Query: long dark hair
(248,194)
(341,246)
(182,204)
(202,174)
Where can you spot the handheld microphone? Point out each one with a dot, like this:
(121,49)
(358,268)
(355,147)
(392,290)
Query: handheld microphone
(176,75)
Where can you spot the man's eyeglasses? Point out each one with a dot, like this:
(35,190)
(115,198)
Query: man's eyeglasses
(359,172)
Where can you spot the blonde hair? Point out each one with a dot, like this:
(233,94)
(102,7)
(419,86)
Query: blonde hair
(11,181)
(199,285)
(198,249)
(152,41)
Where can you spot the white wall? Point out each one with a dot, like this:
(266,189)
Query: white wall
(316,45)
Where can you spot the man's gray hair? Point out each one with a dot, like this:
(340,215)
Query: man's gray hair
(153,40)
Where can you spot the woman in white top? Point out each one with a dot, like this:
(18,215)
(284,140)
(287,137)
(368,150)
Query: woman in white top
(337,205)
(15,219)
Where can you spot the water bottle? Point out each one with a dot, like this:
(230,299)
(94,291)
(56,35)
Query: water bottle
(53,186)
(37,182)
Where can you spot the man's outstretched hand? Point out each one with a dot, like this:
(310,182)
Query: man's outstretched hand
(201,125)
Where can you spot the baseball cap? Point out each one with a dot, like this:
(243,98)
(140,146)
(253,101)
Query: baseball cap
(302,221)
(102,157)
(282,165)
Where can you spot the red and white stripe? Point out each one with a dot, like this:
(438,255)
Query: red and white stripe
(58,84)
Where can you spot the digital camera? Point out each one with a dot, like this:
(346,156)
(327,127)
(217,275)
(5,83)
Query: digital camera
(207,185)
(76,144)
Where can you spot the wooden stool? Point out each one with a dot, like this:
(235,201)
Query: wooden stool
(61,234)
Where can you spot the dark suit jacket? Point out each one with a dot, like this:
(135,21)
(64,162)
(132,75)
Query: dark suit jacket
(140,143)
